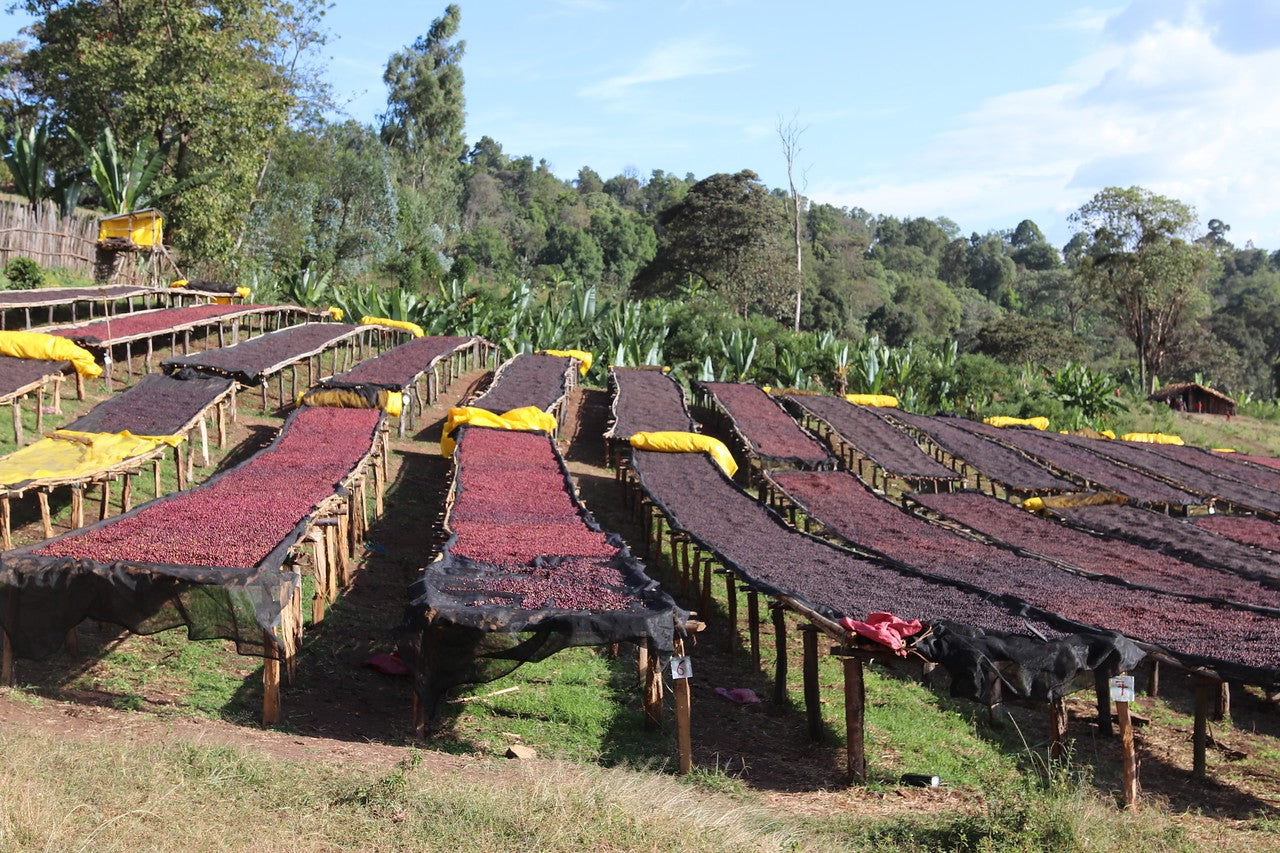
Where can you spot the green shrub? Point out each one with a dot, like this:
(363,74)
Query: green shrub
(23,274)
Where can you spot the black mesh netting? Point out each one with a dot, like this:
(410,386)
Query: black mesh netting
(981,639)
(212,558)
(997,462)
(526,571)
(65,295)
(205,285)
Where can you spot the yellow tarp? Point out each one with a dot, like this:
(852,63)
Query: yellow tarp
(334,312)
(687,442)
(1151,438)
(179,282)
(243,292)
(392,402)
(77,455)
(412,328)
(1004,421)
(526,418)
(584,358)
(38,345)
(1033,504)
(882,401)
(1224,450)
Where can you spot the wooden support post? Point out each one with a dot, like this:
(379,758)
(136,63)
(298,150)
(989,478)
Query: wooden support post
(104,508)
(155,473)
(179,468)
(222,424)
(705,607)
(79,386)
(731,602)
(40,410)
(191,458)
(6,521)
(42,495)
(57,395)
(780,664)
(753,626)
(270,680)
(652,689)
(128,361)
(1200,734)
(17,422)
(812,699)
(320,575)
(1058,728)
(77,506)
(126,493)
(854,721)
(684,737)
(204,442)
(264,396)
(1102,692)
(1128,757)
(1222,703)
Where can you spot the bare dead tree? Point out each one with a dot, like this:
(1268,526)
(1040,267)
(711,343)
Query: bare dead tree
(790,132)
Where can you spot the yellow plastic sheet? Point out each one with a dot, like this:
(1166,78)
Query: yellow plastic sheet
(687,442)
(77,455)
(392,402)
(526,418)
(243,292)
(585,359)
(412,328)
(1004,421)
(179,282)
(1151,438)
(334,312)
(1033,505)
(882,401)
(38,345)
(1224,450)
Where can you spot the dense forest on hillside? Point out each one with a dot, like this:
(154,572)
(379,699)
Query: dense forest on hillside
(217,113)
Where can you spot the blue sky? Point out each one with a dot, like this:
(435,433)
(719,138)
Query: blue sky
(987,113)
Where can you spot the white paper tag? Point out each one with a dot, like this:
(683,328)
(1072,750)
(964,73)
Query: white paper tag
(681,667)
(1122,688)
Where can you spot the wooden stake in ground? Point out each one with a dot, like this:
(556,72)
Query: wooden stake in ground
(1122,693)
(680,674)
(854,720)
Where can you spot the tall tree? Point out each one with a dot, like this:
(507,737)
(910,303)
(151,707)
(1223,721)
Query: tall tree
(727,231)
(1141,260)
(424,118)
(206,73)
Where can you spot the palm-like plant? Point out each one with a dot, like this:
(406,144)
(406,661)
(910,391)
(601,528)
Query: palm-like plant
(128,182)
(24,154)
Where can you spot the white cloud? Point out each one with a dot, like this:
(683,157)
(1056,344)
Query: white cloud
(674,60)
(1167,109)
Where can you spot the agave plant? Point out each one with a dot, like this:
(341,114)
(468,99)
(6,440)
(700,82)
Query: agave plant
(127,180)
(24,154)
(739,349)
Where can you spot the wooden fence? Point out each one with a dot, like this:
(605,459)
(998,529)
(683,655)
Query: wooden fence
(53,241)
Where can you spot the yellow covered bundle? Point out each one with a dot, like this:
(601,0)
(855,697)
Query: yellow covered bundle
(881,401)
(1005,421)
(1151,438)
(584,358)
(71,455)
(687,442)
(37,345)
(392,402)
(526,418)
(412,328)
